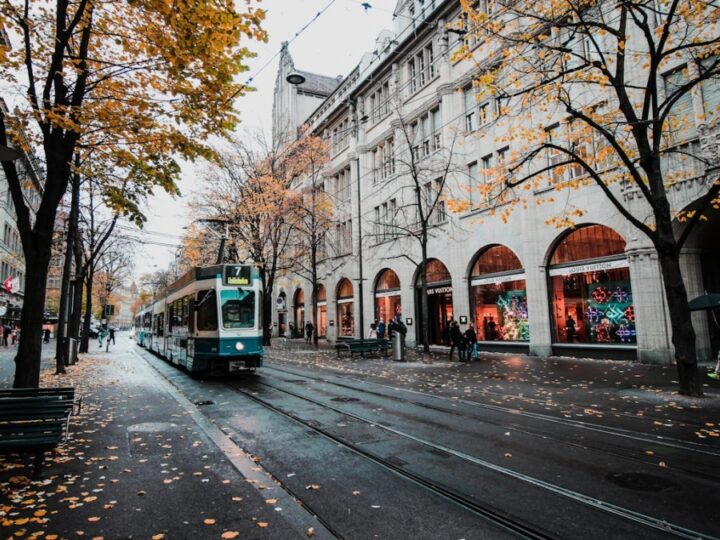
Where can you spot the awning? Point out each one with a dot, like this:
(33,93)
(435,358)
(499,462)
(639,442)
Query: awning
(705,302)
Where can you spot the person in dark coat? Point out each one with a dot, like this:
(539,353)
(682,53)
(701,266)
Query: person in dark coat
(455,340)
(309,327)
(380,329)
(470,338)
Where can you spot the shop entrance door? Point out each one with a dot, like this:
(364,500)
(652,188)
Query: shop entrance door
(440,308)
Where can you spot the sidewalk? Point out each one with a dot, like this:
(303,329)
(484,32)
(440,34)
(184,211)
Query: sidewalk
(510,377)
(140,463)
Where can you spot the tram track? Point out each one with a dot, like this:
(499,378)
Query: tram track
(670,442)
(495,516)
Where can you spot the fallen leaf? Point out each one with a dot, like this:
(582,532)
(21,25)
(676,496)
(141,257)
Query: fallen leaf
(159,536)
(141,493)
(262,524)
(93,519)
(356,493)
(270,501)
(314,487)
(209,521)
(310,532)
(229,535)
(237,499)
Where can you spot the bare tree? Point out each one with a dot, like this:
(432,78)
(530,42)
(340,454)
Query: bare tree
(419,175)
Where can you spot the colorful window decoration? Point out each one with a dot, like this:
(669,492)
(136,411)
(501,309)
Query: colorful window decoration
(497,296)
(591,297)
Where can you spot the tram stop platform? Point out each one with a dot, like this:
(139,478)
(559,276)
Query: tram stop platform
(141,462)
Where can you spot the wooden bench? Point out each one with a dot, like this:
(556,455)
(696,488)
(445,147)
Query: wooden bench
(33,424)
(362,346)
(64,393)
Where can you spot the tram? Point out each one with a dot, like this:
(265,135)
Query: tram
(209,321)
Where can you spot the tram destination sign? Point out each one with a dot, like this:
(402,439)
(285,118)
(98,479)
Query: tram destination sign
(235,274)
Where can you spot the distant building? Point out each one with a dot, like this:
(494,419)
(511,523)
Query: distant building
(12,260)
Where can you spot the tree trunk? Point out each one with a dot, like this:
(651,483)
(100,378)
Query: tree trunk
(76,312)
(423,298)
(85,341)
(70,240)
(27,361)
(64,311)
(683,334)
(267,283)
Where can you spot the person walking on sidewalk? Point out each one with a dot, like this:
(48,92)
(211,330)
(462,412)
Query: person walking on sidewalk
(6,334)
(455,339)
(309,327)
(111,337)
(470,339)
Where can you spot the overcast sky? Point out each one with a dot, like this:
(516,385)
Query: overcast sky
(332,45)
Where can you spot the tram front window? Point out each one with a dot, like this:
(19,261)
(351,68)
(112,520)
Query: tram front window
(238,308)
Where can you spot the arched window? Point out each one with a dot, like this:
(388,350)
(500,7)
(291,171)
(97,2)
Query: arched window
(590,289)
(387,296)
(498,298)
(321,316)
(299,307)
(345,309)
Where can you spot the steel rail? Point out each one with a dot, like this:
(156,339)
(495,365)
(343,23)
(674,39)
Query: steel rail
(626,513)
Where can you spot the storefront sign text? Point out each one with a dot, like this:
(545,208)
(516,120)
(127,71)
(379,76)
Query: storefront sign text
(591,267)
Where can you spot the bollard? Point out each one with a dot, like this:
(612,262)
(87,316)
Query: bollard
(398,351)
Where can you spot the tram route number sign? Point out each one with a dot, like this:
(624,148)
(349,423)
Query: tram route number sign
(237,275)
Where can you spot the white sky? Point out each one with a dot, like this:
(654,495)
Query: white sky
(332,45)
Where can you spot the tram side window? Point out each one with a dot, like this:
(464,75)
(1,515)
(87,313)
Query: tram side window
(238,308)
(161,324)
(185,311)
(206,309)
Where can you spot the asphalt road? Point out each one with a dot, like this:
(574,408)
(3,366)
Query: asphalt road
(375,457)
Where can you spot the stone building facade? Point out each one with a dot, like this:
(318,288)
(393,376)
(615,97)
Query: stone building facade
(527,286)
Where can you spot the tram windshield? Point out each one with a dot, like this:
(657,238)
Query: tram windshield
(238,308)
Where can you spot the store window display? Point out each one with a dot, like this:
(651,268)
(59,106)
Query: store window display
(590,289)
(387,296)
(345,307)
(498,298)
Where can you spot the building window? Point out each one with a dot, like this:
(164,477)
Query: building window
(387,296)
(345,308)
(471,123)
(498,298)
(591,296)
(681,120)
(422,68)
(473,182)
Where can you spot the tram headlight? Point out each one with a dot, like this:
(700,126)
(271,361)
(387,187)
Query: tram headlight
(239,346)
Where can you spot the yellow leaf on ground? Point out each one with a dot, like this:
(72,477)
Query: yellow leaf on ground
(159,536)
(227,535)
(209,521)
(93,519)
(270,501)
(262,524)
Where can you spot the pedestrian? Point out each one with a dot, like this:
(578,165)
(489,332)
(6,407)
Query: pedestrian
(101,334)
(309,327)
(14,334)
(455,337)
(373,331)
(570,328)
(111,337)
(46,336)
(447,338)
(470,338)
(6,333)
(381,329)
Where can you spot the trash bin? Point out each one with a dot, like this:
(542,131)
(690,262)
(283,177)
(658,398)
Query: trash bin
(72,344)
(398,351)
